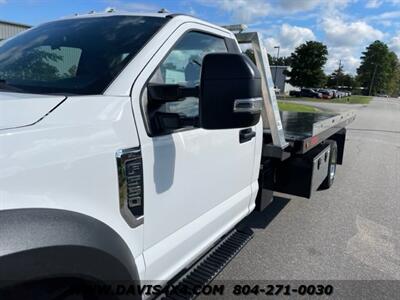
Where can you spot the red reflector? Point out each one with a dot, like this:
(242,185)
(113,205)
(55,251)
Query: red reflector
(314,140)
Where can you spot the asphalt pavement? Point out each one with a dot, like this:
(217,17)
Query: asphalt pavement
(350,232)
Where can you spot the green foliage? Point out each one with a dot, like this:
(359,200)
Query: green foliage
(393,84)
(339,78)
(296,107)
(273,61)
(379,70)
(281,61)
(355,99)
(250,53)
(307,64)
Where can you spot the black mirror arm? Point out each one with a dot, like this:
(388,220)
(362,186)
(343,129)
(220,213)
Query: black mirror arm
(184,92)
(163,93)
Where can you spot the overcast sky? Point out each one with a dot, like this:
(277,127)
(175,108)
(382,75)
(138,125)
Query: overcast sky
(345,26)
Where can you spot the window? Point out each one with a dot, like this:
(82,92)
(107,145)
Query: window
(76,56)
(47,64)
(182,66)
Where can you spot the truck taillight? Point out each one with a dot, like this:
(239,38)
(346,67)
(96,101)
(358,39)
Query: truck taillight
(130,179)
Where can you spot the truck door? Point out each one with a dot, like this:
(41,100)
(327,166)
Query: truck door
(197,183)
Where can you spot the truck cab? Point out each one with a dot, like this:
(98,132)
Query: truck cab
(110,158)
(187,167)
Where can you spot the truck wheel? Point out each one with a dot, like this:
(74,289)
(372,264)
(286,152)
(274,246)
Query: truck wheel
(330,177)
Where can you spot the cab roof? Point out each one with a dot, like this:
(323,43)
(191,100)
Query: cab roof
(136,14)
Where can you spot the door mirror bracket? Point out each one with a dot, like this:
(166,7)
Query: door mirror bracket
(163,93)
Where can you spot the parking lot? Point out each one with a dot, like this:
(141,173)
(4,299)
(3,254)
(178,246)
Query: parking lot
(350,232)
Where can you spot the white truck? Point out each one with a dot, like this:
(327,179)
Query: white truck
(131,145)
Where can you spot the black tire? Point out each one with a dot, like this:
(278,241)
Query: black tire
(330,177)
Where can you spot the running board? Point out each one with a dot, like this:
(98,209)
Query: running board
(210,265)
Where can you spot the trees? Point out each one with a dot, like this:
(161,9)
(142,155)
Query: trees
(336,78)
(348,81)
(307,64)
(379,69)
(393,84)
(250,53)
(339,78)
(273,61)
(280,61)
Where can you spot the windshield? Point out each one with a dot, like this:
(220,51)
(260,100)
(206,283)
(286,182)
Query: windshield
(78,56)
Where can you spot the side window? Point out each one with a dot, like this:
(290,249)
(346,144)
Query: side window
(182,66)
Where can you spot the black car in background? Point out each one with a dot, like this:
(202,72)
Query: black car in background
(311,93)
(295,93)
(326,94)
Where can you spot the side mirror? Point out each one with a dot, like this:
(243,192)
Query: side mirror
(230,92)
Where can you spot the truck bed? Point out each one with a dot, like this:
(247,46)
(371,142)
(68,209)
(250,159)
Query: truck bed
(303,130)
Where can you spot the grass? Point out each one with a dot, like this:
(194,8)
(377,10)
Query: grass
(285,106)
(348,100)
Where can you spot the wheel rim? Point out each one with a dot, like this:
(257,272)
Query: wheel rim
(332,171)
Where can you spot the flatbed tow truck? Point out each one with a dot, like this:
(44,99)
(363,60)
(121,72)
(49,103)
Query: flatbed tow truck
(135,149)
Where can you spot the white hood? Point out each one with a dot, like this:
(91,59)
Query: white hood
(17,110)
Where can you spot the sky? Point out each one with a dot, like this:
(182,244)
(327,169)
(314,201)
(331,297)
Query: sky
(347,27)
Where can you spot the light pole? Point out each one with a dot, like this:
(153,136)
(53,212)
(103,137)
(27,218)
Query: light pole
(338,74)
(276,63)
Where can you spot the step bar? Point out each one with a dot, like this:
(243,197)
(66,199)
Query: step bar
(209,266)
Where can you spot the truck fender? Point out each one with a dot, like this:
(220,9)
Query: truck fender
(50,243)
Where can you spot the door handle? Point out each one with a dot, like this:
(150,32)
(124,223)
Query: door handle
(246,135)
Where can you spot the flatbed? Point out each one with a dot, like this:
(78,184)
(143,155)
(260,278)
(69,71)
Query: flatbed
(287,133)
(300,150)
(303,131)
